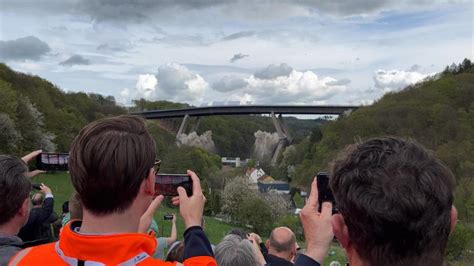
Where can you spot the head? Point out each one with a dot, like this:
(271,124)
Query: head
(282,243)
(395,201)
(37,200)
(238,232)
(15,187)
(235,251)
(176,252)
(111,165)
(75,207)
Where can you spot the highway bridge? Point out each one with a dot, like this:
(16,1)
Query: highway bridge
(276,112)
(248,109)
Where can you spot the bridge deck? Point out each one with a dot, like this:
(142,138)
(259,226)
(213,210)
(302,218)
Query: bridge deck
(246,110)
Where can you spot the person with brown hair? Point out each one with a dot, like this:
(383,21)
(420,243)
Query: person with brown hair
(15,188)
(395,202)
(111,166)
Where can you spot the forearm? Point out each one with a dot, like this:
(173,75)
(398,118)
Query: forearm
(174,233)
(196,243)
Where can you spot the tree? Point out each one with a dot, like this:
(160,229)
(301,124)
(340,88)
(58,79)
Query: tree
(9,137)
(30,125)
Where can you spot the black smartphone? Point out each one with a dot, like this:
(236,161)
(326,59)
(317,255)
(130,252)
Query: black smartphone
(167,184)
(325,192)
(48,161)
(36,186)
(168,217)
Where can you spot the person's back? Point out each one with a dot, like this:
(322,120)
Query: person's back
(111,165)
(41,216)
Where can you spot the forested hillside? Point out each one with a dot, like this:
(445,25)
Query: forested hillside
(34,113)
(439,113)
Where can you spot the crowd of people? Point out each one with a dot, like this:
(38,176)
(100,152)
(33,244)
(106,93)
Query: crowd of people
(394,199)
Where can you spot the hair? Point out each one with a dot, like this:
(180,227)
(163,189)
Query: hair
(235,251)
(65,207)
(37,199)
(15,187)
(282,246)
(396,200)
(176,252)
(75,207)
(238,232)
(108,162)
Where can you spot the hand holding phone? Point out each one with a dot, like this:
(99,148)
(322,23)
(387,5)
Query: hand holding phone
(167,184)
(325,192)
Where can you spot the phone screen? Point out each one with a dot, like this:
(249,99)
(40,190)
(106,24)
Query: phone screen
(324,191)
(167,184)
(52,161)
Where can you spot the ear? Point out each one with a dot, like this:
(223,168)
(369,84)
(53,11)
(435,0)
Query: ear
(149,183)
(267,244)
(25,208)
(340,230)
(454,217)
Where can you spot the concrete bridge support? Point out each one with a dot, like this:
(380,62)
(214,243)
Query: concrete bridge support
(181,129)
(285,138)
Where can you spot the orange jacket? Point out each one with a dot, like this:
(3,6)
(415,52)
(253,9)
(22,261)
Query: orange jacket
(97,250)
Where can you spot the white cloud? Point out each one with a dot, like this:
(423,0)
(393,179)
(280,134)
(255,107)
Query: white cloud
(178,83)
(393,80)
(297,88)
(173,82)
(146,85)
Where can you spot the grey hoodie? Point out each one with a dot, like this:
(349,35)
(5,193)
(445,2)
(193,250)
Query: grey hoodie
(9,246)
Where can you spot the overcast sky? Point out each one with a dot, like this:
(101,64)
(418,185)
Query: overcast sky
(259,52)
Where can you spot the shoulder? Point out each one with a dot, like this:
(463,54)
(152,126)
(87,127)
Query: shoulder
(33,255)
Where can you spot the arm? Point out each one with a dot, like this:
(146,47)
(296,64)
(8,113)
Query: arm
(174,232)
(28,158)
(145,220)
(255,239)
(317,229)
(48,205)
(197,249)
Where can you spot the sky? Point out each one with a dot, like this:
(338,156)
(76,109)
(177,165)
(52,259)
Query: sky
(344,52)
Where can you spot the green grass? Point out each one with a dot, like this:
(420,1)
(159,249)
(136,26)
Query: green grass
(60,184)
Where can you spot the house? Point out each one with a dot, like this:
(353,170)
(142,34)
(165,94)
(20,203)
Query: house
(231,161)
(269,184)
(254,174)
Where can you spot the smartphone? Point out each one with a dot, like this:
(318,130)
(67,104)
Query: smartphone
(36,186)
(167,184)
(47,161)
(325,192)
(168,217)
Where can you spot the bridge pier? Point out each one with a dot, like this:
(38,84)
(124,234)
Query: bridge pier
(283,133)
(181,129)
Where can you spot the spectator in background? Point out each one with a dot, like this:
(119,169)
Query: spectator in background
(15,187)
(176,252)
(111,164)
(281,247)
(146,225)
(75,209)
(235,251)
(41,216)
